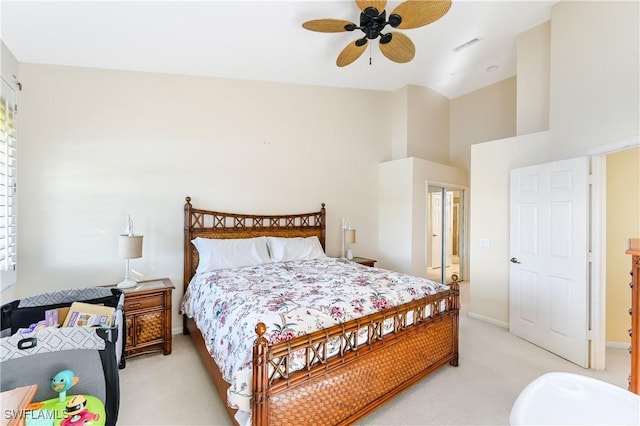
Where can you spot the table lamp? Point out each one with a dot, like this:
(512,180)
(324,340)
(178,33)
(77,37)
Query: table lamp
(129,247)
(348,237)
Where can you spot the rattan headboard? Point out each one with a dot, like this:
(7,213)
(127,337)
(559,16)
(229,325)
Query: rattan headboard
(212,224)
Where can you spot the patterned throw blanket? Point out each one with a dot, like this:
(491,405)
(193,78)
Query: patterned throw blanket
(292,299)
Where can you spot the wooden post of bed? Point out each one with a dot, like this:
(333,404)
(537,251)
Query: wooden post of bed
(187,271)
(260,377)
(455,308)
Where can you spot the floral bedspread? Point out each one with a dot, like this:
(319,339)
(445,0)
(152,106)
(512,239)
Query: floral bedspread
(292,299)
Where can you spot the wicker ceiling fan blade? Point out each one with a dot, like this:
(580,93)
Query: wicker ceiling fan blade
(400,49)
(350,53)
(378,4)
(418,13)
(327,25)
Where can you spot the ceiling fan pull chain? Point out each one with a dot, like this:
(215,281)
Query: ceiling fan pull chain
(370,54)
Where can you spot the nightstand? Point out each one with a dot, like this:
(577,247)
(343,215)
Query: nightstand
(364,261)
(147,311)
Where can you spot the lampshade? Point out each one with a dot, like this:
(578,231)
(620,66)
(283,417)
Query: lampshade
(350,236)
(130,246)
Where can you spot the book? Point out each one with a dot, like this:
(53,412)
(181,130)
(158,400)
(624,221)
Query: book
(89,315)
(14,404)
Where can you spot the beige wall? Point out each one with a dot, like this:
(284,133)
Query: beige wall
(484,115)
(395,215)
(594,74)
(420,124)
(533,79)
(428,125)
(399,114)
(623,222)
(97,145)
(489,266)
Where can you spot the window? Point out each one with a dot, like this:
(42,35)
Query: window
(8,169)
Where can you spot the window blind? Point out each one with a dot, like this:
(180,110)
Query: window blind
(8,163)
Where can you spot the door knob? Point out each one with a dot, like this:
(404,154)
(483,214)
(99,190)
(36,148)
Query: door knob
(514,260)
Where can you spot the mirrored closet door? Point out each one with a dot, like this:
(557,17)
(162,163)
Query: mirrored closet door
(444,233)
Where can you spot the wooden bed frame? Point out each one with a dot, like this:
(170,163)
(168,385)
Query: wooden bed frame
(336,389)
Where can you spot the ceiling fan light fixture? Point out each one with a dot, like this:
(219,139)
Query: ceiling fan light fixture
(395,20)
(385,38)
(371,12)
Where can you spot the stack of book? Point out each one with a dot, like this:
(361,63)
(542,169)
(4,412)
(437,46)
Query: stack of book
(79,314)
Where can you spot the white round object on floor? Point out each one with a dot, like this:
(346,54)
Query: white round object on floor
(573,399)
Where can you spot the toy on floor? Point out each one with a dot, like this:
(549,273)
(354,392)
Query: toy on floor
(72,410)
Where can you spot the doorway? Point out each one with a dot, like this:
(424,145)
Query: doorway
(548,275)
(613,220)
(444,233)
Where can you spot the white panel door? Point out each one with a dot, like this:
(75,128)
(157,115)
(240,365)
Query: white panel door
(549,247)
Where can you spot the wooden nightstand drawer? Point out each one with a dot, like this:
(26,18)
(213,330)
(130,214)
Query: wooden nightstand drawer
(142,302)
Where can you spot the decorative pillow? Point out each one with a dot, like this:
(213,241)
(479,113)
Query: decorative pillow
(298,248)
(230,253)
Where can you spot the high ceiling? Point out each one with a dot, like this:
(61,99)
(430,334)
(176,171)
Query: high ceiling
(264,40)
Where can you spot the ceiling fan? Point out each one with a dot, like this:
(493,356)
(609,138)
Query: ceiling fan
(373,19)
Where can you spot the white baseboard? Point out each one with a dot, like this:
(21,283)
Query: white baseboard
(176,330)
(489,320)
(617,345)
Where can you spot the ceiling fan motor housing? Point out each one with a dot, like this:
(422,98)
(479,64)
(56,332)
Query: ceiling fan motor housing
(372,23)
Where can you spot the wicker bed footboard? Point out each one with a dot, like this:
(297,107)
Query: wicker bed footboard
(342,388)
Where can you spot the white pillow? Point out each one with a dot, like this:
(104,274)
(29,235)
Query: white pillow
(298,248)
(230,253)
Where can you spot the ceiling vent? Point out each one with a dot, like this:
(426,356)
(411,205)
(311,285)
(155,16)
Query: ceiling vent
(466,44)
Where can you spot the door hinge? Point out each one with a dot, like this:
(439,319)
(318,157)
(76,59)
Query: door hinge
(590,257)
(17,82)
(589,335)
(590,179)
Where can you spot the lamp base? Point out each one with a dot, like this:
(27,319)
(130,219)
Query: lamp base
(127,283)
